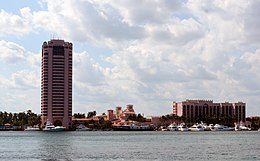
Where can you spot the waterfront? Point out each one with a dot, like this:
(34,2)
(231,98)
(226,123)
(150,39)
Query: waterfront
(111,145)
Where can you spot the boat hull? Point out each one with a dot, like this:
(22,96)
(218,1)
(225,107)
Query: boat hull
(183,129)
(224,129)
(32,129)
(122,128)
(84,129)
(54,130)
(196,129)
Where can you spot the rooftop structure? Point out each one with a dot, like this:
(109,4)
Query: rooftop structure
(119,113)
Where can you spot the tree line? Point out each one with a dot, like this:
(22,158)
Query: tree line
(82,115)
(135,117)
(29,118)
(21,119)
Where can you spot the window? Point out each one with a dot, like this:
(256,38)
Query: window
(58,50)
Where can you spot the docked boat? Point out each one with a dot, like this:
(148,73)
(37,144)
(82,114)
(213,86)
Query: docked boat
(132,127)
(172,127)
(82,128)
(50,127)
(206,127)
(196,127)
(32,129)
(218,127)
(182,127)
(163,128)
(241,127)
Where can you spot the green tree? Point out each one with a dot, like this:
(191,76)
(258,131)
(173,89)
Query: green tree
(91,114)
(15,120)
(79,115)
(140,118)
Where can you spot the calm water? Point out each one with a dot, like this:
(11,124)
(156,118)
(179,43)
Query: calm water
(131,146)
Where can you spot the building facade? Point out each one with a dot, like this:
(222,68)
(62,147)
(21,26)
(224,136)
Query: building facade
(56,83)
(120,114)
(192,110)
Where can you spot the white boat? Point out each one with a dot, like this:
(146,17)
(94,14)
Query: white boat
(206,127)
(50,127)
(172,127)
(209,127)
(218,127)
(241,127)
(163,128)
(132,127)
(182,127)
(196,127)
(82,128)
(32,129)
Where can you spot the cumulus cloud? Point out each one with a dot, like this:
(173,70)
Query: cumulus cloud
(90,71)
(19,77)
(244,69)
(26,79)
(15,53)
(13,24)
(11,52)
(161,50)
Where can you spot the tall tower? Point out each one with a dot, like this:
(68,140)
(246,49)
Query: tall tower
(56,83)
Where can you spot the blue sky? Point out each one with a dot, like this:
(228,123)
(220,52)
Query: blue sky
(145,53)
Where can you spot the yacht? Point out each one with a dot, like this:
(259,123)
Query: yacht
(182,127)
(196,127)
(218,127)
(50,127)
(132,127)
(241,127)
(172,127)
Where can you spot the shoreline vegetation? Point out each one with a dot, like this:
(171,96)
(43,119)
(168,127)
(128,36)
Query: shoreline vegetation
(20,121)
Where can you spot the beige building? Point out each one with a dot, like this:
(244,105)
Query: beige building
(119,113)
(194,109)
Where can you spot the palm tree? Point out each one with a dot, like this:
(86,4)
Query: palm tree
(163,119)
(15,119)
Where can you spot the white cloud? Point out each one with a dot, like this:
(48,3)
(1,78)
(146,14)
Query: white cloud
(11,52)
(15,53)
(13,24)
(26,79)
(162,51)
(19,78)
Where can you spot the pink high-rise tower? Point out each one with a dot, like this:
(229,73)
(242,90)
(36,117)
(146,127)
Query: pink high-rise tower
(56,83)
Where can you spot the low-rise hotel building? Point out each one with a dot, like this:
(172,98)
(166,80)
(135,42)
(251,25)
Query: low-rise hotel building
(194,109)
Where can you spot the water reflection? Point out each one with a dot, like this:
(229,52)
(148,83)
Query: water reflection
(54,146)
(130,146)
